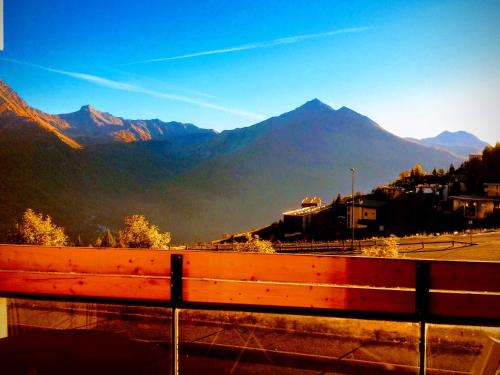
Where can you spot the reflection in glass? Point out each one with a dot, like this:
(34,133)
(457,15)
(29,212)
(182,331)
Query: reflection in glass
(53,337)
(224,342)
(458,348)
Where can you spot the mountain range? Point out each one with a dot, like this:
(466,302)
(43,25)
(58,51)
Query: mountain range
(88,169)
(460,142)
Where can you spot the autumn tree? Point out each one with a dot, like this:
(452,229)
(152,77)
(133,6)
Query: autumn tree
(254,244)
(138,232)
(35,229)
(388,249)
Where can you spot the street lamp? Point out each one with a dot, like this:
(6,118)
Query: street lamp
(352,211)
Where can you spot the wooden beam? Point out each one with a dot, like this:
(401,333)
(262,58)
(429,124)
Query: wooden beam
(465,305)
(85,260)
(338,270)
(466,276)
(85,285)
(299,295)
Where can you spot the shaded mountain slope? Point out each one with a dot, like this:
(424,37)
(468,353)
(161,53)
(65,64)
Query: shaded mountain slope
(256,173)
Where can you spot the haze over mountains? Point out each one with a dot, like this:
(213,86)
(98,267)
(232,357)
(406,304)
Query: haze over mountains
(460,143)
(88,169)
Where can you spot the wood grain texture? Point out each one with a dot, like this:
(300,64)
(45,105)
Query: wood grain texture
(299,295)
(467,276)
(85,260)
(85,285)
(340,270)
(465,305)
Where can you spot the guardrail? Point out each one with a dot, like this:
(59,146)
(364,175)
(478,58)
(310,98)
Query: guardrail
(425,291)
(324,246)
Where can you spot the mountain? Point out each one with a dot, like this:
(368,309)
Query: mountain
(197,185)
(255,173)
(92,126)
(460,143)
(14,109)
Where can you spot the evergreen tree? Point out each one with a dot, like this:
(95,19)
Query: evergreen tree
(79,241)
(108,240)
(451,170)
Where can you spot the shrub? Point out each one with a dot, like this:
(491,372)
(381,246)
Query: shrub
(255,245)
(139,233)
(34,229)
(389,248)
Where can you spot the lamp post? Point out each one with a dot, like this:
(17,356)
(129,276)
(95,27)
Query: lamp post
(352,210)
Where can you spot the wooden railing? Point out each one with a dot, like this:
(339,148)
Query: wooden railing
(453,292)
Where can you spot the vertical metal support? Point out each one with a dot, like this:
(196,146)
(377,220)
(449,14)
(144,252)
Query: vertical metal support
(423,280)
(4,326)
(176,300)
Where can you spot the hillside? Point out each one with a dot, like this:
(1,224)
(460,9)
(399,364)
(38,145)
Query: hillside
(197,185)
(256,173)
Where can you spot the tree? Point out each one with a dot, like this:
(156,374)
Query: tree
(138,232)
(337,201)
(451,170)
(108,240)
(98,242)
(79,241)
(255,245)
(34,229)
(389,248)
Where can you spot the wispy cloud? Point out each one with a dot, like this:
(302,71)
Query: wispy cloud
(161,83)
(245,47)
(124,86)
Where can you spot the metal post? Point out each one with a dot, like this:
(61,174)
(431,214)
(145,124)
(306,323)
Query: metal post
(422,308)
(352,211)
(176,300)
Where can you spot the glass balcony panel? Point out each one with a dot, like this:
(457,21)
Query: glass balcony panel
(222,342)
(54,337)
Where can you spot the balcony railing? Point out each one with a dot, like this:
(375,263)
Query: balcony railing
(423,291)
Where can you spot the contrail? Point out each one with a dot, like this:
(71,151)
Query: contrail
(123,86)
(245,47)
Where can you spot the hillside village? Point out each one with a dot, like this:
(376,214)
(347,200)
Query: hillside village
(416,202)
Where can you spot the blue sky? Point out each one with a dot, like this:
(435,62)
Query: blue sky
(415,67)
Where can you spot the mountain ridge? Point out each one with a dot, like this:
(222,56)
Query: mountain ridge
(92,125)
(461,143)
(198,185)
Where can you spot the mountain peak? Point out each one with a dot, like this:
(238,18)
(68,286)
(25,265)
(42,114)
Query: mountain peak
(87,108)
(457,138)
(315,104)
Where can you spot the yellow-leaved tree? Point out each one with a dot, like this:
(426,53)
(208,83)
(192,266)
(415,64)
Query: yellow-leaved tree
(138,232)
(35,229)
(255,245)
(388,249)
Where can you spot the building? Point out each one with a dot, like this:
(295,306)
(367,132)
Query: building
(492,189)
(365,213)
(299,221)
(477,206)
(475,157)
(391,191)
(311,202)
